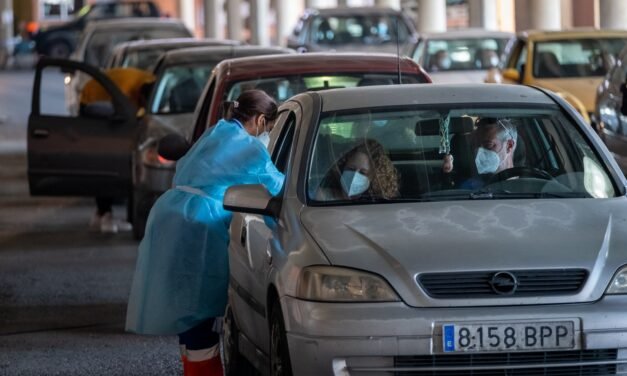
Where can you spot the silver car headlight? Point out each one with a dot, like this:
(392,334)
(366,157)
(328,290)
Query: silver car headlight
(333,284)
(619,283)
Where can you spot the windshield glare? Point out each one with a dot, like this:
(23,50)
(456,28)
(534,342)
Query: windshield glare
(463,54)
(452,154)
(179,88)
(575,58)
(282,88)
(369,30)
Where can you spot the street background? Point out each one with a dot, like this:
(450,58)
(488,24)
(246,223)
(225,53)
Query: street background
(63,289)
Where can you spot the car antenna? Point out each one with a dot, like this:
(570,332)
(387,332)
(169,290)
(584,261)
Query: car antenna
(398,53)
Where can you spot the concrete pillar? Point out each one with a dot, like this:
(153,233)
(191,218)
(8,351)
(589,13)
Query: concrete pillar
(6,30)
(213,18)
(187,10)
(431,15)
(258,22)
(613,14)
(235,21)
(483,14)
(394,4)
(545,14)
(287,12)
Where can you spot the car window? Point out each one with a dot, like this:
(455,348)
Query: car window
(455,153)
(366,29)
(575,58)
(101,43)
(142,59)
(283,87)
(179,88)
(120,10)
(282,146)
(463,54)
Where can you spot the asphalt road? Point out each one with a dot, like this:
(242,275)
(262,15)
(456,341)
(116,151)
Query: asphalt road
(63,289)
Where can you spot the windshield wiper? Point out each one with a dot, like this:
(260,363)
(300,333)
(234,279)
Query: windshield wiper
(486,195)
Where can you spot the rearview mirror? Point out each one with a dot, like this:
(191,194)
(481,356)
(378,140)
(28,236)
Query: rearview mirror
(172,147)
(511,74)
(251,198)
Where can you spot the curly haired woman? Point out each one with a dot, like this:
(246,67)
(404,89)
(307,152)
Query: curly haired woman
(365,171)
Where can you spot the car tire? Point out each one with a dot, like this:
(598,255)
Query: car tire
(280,363)
(235,364)
(59,49)
(141,205)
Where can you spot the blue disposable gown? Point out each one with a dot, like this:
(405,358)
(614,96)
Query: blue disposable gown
(181,276)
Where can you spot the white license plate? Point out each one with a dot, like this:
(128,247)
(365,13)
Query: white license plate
(508,337)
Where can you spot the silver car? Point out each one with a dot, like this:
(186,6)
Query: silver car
(430,268)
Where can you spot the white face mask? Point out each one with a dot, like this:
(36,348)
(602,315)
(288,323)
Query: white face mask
(354,183)
(487,161)
(264,137)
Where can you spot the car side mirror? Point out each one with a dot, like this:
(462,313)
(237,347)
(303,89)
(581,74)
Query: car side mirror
(251,198)
(173,147)
(511,74)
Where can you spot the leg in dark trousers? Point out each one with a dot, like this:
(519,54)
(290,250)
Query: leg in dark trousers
(104,205)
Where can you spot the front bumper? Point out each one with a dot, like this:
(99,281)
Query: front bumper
(369,339)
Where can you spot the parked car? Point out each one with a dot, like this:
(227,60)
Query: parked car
(60,40)
(460,56)
(100,37)
(611,110)
(353,29)
(571,63)
(525,275)
(144,54)
(181,76)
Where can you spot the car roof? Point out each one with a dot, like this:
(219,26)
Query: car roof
(217,53)
(467,34)
(314,62)
(571,34)
(350,11)
(137,45)
(401,95)
(133,23)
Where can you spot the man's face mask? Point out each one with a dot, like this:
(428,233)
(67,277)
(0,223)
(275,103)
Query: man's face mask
(354,183)
(487,161)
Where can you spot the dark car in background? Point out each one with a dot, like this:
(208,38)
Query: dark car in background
(610,112)
(181,76)
(353,29)
(60,41)
(144,54)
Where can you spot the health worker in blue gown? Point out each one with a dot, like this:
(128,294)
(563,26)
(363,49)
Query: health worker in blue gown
(182,273)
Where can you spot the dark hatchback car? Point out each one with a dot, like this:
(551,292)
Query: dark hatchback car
(59,41)
(353,29)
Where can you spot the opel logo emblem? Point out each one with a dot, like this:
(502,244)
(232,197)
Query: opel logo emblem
(504,283)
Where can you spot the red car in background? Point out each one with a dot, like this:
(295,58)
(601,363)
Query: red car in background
(283,76)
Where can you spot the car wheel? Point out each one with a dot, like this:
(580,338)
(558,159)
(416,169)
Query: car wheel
(234,362)
(141,204)
(280,364)
(59,49)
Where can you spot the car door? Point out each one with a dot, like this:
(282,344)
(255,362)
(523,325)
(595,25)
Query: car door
(251,258)
(87,154)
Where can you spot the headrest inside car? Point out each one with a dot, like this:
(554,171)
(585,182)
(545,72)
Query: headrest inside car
(431,127)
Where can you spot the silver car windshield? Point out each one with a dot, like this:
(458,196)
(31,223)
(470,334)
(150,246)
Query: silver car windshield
(453,154)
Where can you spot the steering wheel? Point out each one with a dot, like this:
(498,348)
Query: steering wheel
(520,172)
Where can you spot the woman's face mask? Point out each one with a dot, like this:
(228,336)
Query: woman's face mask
(487,161)
(354,183)
(264,137)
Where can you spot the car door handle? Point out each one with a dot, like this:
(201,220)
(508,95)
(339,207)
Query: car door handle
(41,133)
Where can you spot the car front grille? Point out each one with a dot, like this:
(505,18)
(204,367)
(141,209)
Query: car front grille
(548,363)
(464,285)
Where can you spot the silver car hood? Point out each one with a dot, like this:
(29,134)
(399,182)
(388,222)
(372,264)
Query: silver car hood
(401,241)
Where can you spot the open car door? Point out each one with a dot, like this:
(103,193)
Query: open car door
(88,154)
